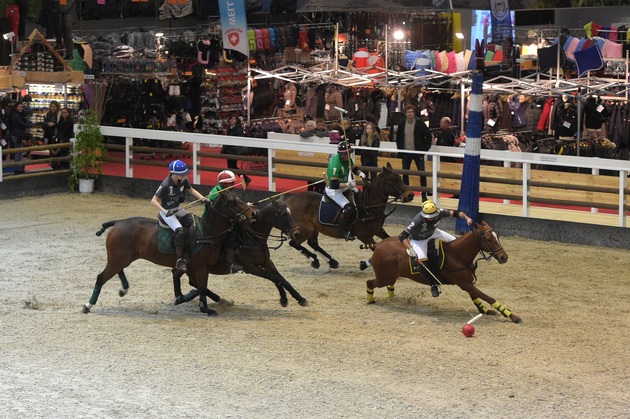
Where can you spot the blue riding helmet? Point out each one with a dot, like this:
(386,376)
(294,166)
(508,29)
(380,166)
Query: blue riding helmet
(178,167)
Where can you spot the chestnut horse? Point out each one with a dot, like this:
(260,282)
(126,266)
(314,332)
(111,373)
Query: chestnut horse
(371,204)
(253,252)
(137,238)
(390,261)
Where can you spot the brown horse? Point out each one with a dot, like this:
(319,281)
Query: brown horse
(371,205)
(390,261)
(136,238)
(253,251)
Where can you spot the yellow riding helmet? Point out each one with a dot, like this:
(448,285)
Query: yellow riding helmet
(429,209)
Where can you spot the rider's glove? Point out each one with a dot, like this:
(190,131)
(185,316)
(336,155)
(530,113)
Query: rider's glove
(361,174)
(351,184)
(412,253)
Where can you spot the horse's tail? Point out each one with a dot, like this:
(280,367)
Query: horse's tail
(105,226)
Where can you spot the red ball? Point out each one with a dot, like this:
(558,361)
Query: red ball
(468,330)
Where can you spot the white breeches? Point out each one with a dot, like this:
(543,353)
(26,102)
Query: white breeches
(420,246)
(337,196)
(172,221)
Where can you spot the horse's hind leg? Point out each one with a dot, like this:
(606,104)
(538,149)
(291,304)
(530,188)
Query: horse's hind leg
(314,243)
(476,296)
(377,283)
(310,255)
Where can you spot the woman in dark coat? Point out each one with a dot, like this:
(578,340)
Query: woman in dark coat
(234,130)
(65,131)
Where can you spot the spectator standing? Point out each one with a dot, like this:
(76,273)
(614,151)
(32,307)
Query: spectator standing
(49,124)
(234,130)
(19,126)
(370,138)
(413,135)
(65,131)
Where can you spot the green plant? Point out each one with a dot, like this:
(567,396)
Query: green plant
(89,149)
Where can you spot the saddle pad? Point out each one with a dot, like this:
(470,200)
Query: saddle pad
(165,238)
(435,262)
(329,212)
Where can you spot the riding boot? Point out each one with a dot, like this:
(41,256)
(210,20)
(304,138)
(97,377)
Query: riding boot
(345,225)
(180,244)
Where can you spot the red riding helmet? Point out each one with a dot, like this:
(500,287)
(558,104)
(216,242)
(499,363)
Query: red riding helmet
(226,176)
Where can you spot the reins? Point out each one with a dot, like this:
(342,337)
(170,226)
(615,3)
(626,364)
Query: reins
(367,205)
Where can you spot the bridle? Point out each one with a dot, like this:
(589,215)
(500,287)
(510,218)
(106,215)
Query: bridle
(482,239)
(370,189)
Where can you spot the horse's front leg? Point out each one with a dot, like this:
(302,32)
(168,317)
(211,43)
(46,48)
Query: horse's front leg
(477,296)
(177,285)
(260,272)
(381,234)
(271,268)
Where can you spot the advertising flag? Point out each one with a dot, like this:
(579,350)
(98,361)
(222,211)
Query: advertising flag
(234,25)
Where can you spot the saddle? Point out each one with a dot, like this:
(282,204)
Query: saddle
(330,212)
(165,237)
(434,264)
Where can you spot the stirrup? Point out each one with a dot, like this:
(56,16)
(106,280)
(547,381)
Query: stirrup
(181,264)
(435,290)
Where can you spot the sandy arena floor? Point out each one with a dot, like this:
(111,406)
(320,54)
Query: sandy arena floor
(142,357)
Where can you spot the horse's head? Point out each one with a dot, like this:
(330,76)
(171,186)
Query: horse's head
(232,208)
(284,219)
(391,184)
(490,243)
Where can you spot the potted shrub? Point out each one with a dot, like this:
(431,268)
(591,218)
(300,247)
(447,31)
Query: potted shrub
(87,158)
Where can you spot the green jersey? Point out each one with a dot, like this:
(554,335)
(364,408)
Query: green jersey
(339,168)
(213,195)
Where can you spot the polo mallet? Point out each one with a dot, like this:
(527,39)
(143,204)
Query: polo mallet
(343,111)
(243,184)
(286,192)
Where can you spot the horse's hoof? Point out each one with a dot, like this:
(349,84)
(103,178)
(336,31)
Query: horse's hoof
(363,265)
(333,264)
(211,313)
(284,303)
(372,302)
(86,309)
(515,319)
(122,292)
(303,302)
(179,300)
(315,264)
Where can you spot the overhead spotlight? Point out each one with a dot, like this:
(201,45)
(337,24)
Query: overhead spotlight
(399,35)
(459,35)
(9,36)
(159,34)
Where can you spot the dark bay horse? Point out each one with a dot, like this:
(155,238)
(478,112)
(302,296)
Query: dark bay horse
(253,251)
(390,261)
(371,205)
(136,238)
